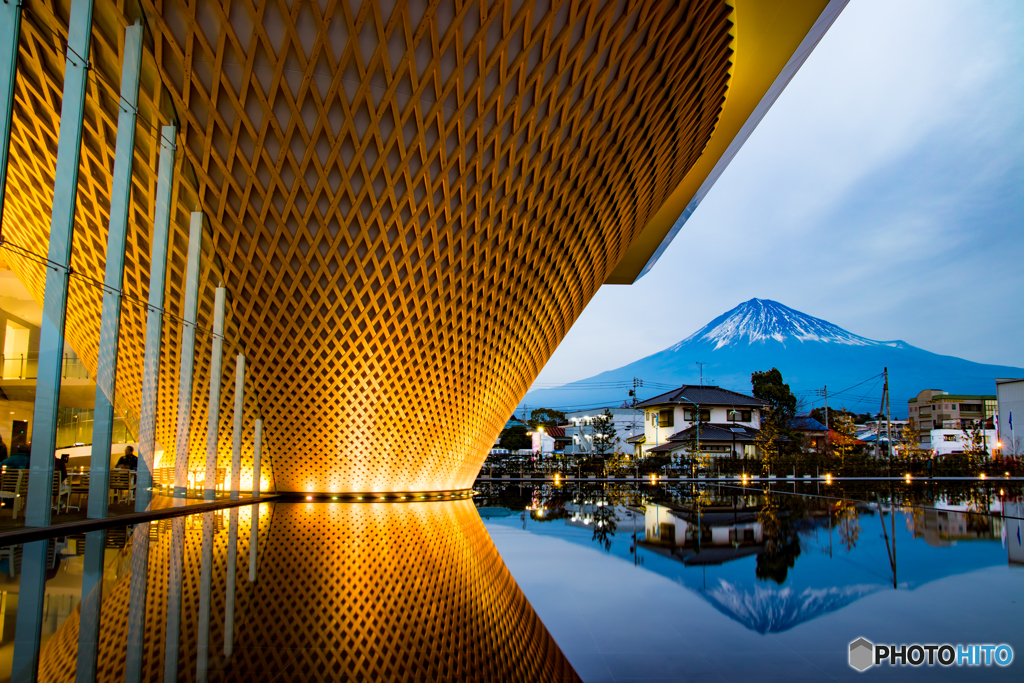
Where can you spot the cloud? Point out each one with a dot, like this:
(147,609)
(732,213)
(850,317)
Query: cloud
(882,192)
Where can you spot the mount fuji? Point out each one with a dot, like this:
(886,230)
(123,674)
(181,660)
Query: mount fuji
(810,352)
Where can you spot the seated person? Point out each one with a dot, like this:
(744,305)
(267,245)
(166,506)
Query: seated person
(60,464)
(18,461)
(128,461)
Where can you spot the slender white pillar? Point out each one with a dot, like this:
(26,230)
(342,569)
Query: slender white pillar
(155,319)
(229,607)
(254,528)
(89,612)
(55,295)
(205,581)
(213,413)
(10,30)
(257,452)
(236,444)
(174,579)
(137,603)
(31,598)
(117,234)
(188,348)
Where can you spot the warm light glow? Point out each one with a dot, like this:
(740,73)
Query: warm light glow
(982,475)
(309,497)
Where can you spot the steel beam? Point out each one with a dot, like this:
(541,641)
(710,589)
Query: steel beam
(155,319)
(55,296)
(236,444)
(110,321)
(188,349)
(213,412)
(10,29)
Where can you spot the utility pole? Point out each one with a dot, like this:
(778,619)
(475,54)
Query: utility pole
(888,426)
(824,392)
(701,366)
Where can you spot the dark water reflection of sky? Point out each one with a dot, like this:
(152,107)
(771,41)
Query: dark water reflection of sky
(656,618)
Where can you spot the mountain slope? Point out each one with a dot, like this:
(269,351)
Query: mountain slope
(810,352)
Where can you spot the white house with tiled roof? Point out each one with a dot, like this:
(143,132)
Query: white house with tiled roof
(730,420)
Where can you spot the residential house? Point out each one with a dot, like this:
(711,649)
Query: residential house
(729,421)
(580,430)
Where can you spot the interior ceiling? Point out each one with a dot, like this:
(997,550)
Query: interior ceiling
(410,203)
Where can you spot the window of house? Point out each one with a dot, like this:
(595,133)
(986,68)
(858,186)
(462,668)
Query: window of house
(739,415)
(949,437)
(665,418)
(691,414)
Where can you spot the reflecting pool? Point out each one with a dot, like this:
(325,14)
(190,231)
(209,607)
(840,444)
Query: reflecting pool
(545,582)
(741,583)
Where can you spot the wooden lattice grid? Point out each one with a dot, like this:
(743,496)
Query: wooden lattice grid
(409,204)
(345,591)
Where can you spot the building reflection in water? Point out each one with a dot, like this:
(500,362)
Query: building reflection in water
(331,591)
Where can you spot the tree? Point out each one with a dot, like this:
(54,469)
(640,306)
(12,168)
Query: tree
(515,438)
(546,417)
(603,433)
(768,386)
(776,416)
(974,442)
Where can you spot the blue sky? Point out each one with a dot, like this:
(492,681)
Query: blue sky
(883,192)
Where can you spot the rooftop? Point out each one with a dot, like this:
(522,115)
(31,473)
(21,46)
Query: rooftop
(702,396)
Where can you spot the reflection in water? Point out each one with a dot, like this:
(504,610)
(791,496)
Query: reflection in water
(331,591)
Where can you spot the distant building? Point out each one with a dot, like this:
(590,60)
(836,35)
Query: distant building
(1010,400)
(729,420)
(551,440)
(953,441)
(937,409)
(810,433)
(580,430)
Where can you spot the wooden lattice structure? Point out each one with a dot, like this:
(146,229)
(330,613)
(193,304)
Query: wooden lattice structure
(344,592)
(410,203)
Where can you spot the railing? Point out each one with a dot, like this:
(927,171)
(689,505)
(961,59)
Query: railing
(26,366)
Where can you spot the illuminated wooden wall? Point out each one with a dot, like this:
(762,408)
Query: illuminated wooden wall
(382,591)
(410,203)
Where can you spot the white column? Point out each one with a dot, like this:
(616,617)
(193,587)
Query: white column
(205,581)
(137,603)
(55,294)
(89,610)
(188,348)
(174,580)
(254,528)
(213,414)
(236,445)
(229,607)
(257,452)
(117,234)
(155,319)
(10,30)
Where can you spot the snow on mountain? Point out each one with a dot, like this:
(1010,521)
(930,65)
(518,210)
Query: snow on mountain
(811,353)
(759,320)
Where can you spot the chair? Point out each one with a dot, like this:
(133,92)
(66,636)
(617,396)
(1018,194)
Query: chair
(14,487)
(79,486)
(121,484)
(58,491)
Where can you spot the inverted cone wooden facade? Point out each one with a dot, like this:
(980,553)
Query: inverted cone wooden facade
(409,203)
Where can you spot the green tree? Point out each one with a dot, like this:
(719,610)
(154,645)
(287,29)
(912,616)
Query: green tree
(546,417)
(776,416)
(603,433)
(769,387)
(515,438)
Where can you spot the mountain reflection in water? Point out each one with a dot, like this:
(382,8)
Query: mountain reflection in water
(318,591)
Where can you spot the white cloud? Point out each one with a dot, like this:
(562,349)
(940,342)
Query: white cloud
(877,193)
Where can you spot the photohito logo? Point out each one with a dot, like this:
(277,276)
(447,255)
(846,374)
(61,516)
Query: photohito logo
(864,654)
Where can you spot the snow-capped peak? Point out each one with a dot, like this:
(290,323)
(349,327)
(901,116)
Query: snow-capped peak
(760,320)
